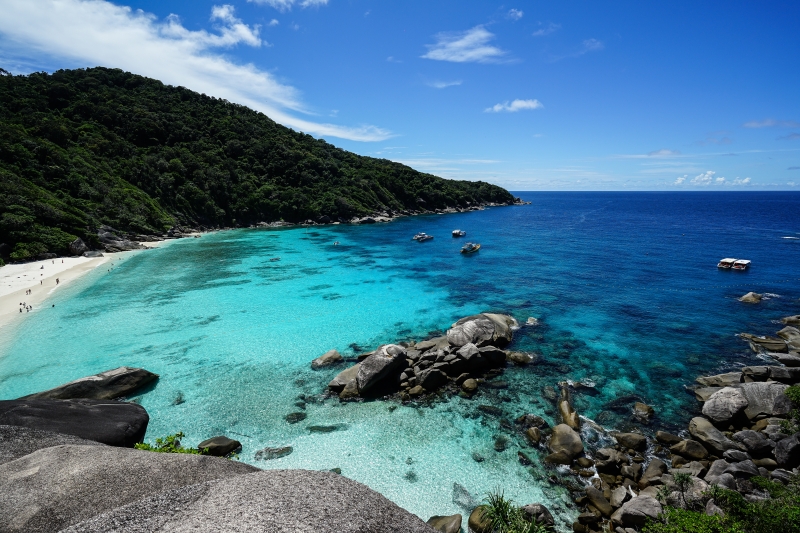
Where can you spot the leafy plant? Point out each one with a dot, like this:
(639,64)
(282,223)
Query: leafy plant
(792,425)
(506,517)
(170,444)
(683,482)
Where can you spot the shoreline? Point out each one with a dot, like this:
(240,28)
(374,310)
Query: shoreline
(17,278)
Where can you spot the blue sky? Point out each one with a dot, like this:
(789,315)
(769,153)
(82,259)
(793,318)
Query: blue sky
(528,95)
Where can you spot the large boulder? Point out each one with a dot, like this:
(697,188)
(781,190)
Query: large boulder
(478,522)
(536,512)
(78,247)
(18,441)
(788,359)
(386,360)
(446,524)
(690,449)
(53,488)
(634,441)
(791,320)
(432,378)
(280,501)
(634,513)
(792,337)
(331,357)
(765,399)
(654,471)
(716,469)
(568,415)
(115,383)
(482,330)
(725,405)
(344,377)
(759,343)
(754,442)
(787,452)
(565,439)
(599,501)
(712,438)
(720,380)
(106,421)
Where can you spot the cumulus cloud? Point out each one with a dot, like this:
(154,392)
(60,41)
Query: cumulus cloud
(443,84)
(273,22)
(514,106)
(771,123)
(680,180)
(86,33)
(515,14)
(547,30)
(719,181)
(286,5)
(469,46)
(704,179)
(741,181)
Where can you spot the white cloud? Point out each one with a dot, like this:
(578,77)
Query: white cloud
(719,181)
(680,180)
(273,22)
(514,106)
(465,47)
(87,33)
(515,14)
(771,123)
(547,30)
(791,183)
(704,179)
(286,5)
(740,181)
(443,84)
(590,45)
(663,153)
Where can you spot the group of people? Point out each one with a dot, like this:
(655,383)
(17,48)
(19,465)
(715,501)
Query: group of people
(25,306)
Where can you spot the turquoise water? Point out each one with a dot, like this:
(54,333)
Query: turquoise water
(625,284)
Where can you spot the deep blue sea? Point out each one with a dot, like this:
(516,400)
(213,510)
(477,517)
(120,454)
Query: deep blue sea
(625,285)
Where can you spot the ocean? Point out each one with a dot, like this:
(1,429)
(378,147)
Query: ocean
(625,286)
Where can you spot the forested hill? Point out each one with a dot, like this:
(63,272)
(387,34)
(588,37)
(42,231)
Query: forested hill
(82,148)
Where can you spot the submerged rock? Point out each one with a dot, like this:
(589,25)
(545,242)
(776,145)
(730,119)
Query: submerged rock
(122,381)
(643,412)
(267,454)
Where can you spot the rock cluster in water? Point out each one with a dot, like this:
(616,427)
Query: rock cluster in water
(472,346)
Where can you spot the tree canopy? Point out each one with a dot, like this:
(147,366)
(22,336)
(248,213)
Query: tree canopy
(83,148)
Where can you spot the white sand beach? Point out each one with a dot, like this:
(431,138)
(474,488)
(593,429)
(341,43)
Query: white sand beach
(40,277)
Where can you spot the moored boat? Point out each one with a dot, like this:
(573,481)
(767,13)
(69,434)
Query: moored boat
(726,263)
(470,248)
(459,233)
(422,237)
(741,264)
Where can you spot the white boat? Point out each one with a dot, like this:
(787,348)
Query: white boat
(726,263)
(741,264)
(422,237)
(459,233)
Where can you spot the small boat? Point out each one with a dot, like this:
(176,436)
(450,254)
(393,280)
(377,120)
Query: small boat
(726,263)
(470,248)
(422,237)
(273,259)
(459,233)
(741,264)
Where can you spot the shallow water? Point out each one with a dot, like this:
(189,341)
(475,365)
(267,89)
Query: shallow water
(625,284)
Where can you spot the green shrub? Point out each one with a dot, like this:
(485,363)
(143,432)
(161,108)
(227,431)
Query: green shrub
(792,425)
(170,444)
(506,517)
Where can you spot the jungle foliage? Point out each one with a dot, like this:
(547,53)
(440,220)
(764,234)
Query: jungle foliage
(82,148)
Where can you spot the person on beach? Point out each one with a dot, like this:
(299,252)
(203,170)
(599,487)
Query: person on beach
(57,281)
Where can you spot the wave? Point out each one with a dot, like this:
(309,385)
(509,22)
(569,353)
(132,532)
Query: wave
(792,238)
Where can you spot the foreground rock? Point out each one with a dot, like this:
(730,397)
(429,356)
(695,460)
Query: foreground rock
(635,512)
(56,487)
(279,501)
(220,446)
(106,421)
(17,441)
(122,381)
(446,524)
